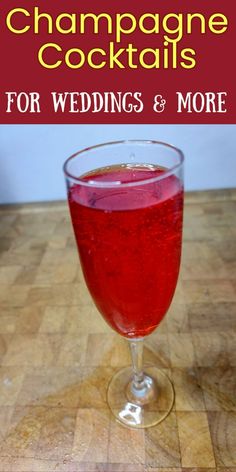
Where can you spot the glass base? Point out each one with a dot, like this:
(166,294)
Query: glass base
(143,407)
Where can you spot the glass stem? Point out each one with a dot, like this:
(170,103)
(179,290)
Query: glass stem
(136,348)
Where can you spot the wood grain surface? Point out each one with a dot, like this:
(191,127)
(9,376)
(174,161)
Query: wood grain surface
(57,354)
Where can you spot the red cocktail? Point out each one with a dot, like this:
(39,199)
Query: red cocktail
(126,205)
(129,241)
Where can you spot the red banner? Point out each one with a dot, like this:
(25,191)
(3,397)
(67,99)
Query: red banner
(158,62)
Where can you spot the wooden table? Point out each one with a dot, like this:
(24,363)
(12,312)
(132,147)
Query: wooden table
(57,354)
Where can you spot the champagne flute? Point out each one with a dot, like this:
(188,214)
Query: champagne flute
(126,206)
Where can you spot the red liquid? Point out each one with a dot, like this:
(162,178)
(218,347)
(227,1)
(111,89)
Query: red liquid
(129,242)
